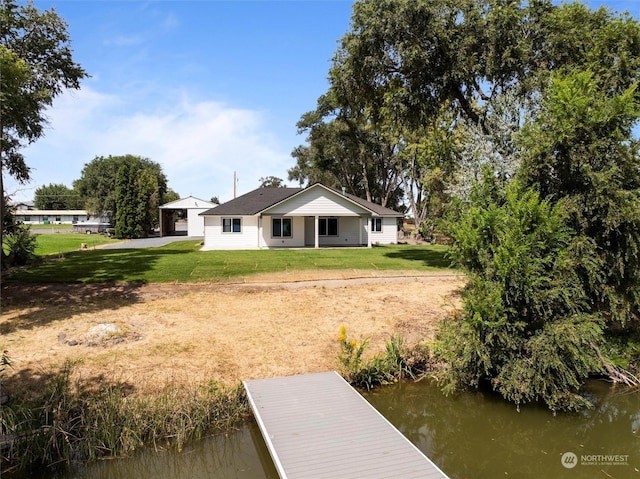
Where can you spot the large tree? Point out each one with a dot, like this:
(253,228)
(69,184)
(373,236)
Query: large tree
(580,150)
(554,258)
(37,65)
(404,62)
(406,58)
(346,142)
(110,185)
(527,328)
(271,182)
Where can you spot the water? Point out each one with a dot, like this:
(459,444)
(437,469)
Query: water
(470,435)
(478,435)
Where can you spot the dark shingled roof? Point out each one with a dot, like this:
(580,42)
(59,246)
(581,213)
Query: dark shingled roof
(253,202)
(376,208)
(260,199)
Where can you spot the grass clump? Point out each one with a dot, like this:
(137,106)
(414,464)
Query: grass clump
(72,421)
(397,362)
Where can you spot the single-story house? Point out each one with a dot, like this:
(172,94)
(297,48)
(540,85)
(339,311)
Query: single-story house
(35,217)
(193,207)
(298,217)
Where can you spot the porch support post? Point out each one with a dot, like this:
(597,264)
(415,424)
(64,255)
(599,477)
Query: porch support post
(161,215)
(316,228)
(368,230)
(259,231)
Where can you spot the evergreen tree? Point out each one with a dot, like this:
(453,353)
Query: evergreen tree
(527,327)
(580,151)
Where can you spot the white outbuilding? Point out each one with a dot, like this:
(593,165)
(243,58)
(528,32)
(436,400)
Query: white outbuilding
(191,207)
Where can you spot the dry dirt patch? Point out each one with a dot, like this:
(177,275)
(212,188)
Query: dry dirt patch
(161,333)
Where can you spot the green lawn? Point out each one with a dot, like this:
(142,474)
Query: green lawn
(61,243)
(184,262)
(42,228)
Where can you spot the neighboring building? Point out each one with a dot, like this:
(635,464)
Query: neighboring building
(298,217)
(58,217)
(193,207)
(24,205)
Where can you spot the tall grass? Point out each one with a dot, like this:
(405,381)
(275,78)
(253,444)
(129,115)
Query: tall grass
(76,422)
(397,361)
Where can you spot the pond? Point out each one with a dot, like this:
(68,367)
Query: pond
(469,435)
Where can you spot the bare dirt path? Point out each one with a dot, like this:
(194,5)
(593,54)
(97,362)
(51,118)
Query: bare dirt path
(155,334)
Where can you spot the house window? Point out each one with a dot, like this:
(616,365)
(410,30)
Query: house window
(328,226)
(231,225)
(376,224)
(281,227)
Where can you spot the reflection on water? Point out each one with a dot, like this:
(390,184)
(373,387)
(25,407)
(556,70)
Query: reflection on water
(470,435)
(478,435)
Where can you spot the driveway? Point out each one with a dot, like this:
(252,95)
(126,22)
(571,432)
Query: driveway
(153,242)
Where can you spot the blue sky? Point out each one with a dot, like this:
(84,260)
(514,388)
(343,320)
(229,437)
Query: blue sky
(203,87)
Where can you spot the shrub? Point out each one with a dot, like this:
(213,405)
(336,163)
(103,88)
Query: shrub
(526,327)
(20,245)
(395,363)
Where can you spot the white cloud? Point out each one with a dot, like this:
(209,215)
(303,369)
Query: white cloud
(199,144)
(124,40)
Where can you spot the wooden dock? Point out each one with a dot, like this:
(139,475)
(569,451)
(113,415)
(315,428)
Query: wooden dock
(318,426)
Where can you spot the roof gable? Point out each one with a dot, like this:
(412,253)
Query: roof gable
(317,199)
(188,203)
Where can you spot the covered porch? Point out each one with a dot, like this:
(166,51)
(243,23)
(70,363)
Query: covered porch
(314,231)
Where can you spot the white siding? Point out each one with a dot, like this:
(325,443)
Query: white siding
(215,239)
(297,234)
(388,235)
(317,201)
(51,216)
(195,223)
(348,232)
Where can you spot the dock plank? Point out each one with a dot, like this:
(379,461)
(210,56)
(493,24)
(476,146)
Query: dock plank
(317,426)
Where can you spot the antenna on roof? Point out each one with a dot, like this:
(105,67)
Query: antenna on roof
(235,182)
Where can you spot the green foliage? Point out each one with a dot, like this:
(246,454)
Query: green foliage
(127,188)
(35,50)
(171,196)
(428,159)
(348,149)
(36,65)
(57,197)
(395,363)
(129,213)
(580,151)
(271,182)
(16,74)
(527,326)
(19,246)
